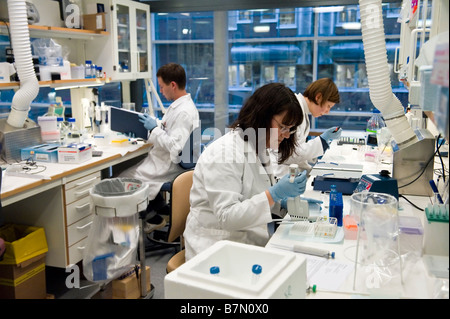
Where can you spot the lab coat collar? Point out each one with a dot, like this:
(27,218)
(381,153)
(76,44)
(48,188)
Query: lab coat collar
(250,148)
(303,103)
(180,101)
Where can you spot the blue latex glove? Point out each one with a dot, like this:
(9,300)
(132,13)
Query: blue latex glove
(283,203)
(331,134)
(284,188)
(148,121)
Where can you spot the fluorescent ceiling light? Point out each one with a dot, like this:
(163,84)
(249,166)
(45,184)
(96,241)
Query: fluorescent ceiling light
(328,9)
(351,25)
(261,28)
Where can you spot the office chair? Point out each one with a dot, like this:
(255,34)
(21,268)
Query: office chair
(181,189)
(180,207)
(188,158)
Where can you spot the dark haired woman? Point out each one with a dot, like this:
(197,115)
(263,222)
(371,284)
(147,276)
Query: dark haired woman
(317,100)
(233,193)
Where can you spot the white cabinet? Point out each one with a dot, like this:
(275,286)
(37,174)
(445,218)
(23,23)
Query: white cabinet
(126,53)
(66,214)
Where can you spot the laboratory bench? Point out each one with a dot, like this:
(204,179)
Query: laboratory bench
(334,278)
(57,199)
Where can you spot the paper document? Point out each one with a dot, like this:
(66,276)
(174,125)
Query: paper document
(327,274)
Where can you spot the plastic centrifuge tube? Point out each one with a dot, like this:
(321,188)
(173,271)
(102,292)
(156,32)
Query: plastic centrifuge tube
(256,273)
(214,270)
(293,168)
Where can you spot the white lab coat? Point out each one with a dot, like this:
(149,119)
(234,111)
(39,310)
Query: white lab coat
(228,200)
(305,152)
(168,139)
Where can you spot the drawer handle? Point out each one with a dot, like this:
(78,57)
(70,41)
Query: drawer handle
(81,247)
(82,227)
(86,181)
(83,207)
(78,194)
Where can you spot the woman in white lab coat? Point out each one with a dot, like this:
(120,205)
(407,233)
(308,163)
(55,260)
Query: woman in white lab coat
(317,100)
(234,194)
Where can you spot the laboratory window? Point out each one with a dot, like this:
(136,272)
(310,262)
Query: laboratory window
(279,45)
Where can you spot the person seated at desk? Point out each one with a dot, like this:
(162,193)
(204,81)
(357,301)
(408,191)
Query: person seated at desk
(234,193)
(168,139)
(317,100)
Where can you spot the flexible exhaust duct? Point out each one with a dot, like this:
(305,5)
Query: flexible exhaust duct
(378,74)
(29,86)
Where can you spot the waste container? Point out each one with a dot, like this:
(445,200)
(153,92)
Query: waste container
(115,233)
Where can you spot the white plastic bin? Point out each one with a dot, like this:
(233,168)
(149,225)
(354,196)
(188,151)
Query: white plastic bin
(113,238)
(283,274)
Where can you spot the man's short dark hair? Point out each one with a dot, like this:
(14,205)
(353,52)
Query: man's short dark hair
(173,72)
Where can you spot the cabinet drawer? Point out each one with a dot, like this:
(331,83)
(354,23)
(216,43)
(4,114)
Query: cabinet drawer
(79,188)
(76,251)
(79,230)
(78,210)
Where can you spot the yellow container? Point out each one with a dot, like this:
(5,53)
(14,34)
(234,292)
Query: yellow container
(119,142)
(22,243)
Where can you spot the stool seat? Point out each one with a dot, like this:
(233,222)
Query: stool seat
(176,261)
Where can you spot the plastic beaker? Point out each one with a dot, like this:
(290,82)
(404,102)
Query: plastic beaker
(377,260)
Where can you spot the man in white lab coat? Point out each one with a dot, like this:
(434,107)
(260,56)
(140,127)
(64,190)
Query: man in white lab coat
(168,138)
(317,100)
(234,194)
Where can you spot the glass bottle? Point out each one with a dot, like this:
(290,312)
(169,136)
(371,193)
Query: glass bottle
(73,133)
(375,124)
(62,128)
(145,110)
(88,69)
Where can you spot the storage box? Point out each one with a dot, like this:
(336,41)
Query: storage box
(74,153)
(130,286)
(95,21)
(22,270)
(410,235)
(40,153)
(283,274)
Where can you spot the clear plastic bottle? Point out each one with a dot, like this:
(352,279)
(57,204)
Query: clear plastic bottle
(73,133)
(256,273)
(374,125)
(215,271)
(336,205)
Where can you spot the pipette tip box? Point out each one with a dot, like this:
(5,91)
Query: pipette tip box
(40,153)
(74,153)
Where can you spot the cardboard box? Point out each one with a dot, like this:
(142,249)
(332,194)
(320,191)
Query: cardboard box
(25,280)
(130,286)
(74,153)
(22,270)
(95,21)
(40,153)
